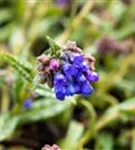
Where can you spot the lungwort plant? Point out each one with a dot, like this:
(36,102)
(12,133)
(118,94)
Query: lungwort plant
(67,74)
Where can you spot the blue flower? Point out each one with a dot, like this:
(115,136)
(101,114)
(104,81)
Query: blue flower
(72,72)
(81,78)
(59,79)
(86,89)
(69,69)
(60,92)
(71,89)
(84,66)
(92,76)
(76,58)
(27,104)
(77,88)
(60,95)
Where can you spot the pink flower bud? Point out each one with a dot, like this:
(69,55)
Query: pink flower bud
(54,64)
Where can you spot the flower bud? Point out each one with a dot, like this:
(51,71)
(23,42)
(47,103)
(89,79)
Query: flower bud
(54,64)
(53,147)
(27,104)
(44,59)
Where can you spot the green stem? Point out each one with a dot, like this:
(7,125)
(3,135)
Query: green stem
(106,98)
(95,126)
(91,128)
(103,121)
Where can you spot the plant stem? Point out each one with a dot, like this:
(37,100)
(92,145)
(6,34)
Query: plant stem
(91,129)
(95,126)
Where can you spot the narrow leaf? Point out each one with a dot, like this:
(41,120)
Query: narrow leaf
(8,124)
(74,134)
(45,111)
(23,68)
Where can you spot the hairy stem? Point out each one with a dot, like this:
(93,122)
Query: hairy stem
(91,127)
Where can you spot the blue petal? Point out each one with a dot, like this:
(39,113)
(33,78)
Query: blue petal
(77,88)
(70,90)
(60,95)
(60,92)
(59,79)
(68,69)
(59,88)
(84,66)
(92,76)
(86,89)
(81,78)
(76,58)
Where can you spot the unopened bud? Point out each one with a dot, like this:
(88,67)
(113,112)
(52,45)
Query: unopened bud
(53,147)
(44,59)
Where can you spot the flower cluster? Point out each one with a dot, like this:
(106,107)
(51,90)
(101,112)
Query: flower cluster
(109,45)
(72,73)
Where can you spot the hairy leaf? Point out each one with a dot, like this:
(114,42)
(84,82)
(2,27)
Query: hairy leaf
(45,110)
(24,68)
(8,124)
(74,134)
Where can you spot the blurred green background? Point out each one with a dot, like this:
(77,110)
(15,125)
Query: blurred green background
(103,121)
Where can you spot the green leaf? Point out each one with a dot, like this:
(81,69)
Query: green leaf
(44,110)
(23,68)
(6,31)
(127,108)
(55,49)
(104,141)
(8,124)
(5,15)
(18,87)
(73,135)
(127,30)
(117,10)
(20,9)
(44,91)
(41,110)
